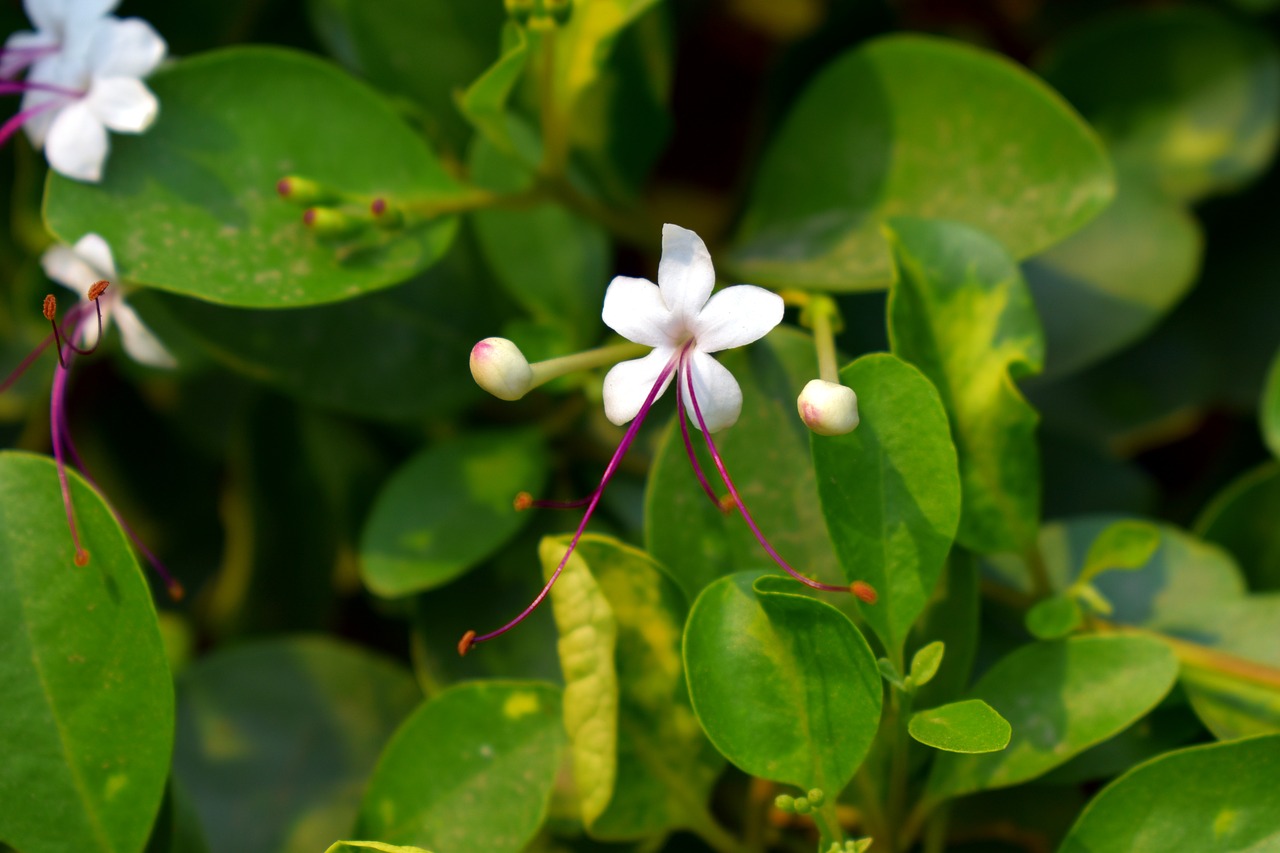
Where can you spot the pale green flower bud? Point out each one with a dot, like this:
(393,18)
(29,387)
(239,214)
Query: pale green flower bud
(828,408)
(500,368)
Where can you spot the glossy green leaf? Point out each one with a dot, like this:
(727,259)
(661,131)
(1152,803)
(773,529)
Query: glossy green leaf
(631,728)
(86,731)
(391,354)
(1060,698)
(551,261)
(785,686)
(1184,97)
(471,770)
(767,454)
(1054,617)
(951,617)
(1231,707)
(1126,545)
(1109,283)
(925,663)
(1270,409)
(1170,726)
(1219,797)
(889,129)
(1242,519)
(484,102)
(276,738)
(383,42)
(448,508)
(971,726)
(177,828)
(349,846)
(891,491)
(584,44)
(190,206)
(960,312)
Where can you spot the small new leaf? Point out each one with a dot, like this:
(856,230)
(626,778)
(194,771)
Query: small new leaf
(925,663)
(1055,617)
(890,673)
(1125,545)
(970,726)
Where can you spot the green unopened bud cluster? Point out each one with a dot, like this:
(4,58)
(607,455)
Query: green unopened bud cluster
(858,845)
(800,805)
(539,14)
(335,214)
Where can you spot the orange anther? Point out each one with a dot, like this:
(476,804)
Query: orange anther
(50,307)
(97,289)
(464,645)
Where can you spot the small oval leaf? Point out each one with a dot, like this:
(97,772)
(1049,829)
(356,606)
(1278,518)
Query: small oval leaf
(971,726)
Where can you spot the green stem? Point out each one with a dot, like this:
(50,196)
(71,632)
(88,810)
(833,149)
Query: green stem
(899,767)
(874,822)
(825,342)
(554,368)
(701,824)
(555,147)
(475,199)
(642,235)
(828,823)
(935,831)
(1041,586)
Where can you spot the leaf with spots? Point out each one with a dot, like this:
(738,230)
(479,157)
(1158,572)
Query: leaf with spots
(472,769)
(641,762)
(190,206)
(87,726)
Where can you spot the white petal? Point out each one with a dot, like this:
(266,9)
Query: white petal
(77,143)
(38,123)
(685,273)
(47,15)
(67,268)
(139,341)
(736,316)
(128,48)
(633,308)
(97,253)
(628,384)
(123,104)
(719,397)
(88,9)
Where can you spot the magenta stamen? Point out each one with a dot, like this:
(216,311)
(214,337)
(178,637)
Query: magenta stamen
(470,639)
(687,373)
(14,88)
(14,60)
(688,449)
(10,127)
(57,415)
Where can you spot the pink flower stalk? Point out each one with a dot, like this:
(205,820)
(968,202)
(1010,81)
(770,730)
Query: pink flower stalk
(683,323)
(63,336)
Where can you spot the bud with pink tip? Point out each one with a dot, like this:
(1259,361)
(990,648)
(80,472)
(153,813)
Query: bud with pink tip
(828,408)
(500,368)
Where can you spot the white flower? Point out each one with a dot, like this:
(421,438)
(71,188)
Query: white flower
(59,25)
(683,323)
(90,260)
(91,84)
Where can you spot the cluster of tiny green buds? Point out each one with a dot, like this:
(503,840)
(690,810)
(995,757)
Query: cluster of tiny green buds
(305,191)
(539,14)
(828,408)
(800,805)
(857,845)
(336,215)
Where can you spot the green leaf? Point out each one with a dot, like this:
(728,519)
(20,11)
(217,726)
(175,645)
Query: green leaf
(1213,797)
(367,356)
(177,828)
(1126,545)
(960,312)
(1184,97)
(382,42)
(971,726)
(484,102)
(767,453)
(551,261)
(1061,698)
(889,129)
(925,663)
(1054,617)
(196,192)
(1112,281)
(1229,706)
(890,673)
(1242,519)
(891,492)
(472,769)
(641,762)
(1270,409)
(347,846)
(276,738)
(88,703)
(584,44)
(448,508)
(785,686)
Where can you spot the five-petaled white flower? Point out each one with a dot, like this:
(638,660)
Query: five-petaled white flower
(683,323)
(85,77)
(78,267)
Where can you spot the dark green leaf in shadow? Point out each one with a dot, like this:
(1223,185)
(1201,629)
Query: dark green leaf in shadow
(785,686)
(1184,97)
(641,763)
(1270,408)
(424,50)
(767,453)
(1215,797)
(1110,282)
(891,492)
(87,726)
(484,102)
(190,206)
(971,726)
(889,129)
(448,508)
(1060,698)
(960,312)
(471,770)
(1243,519)
(177,827)
(276,739)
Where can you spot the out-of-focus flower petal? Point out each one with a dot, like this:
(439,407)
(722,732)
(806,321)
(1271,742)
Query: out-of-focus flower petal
(123,104)
(139,341)
(77,143)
